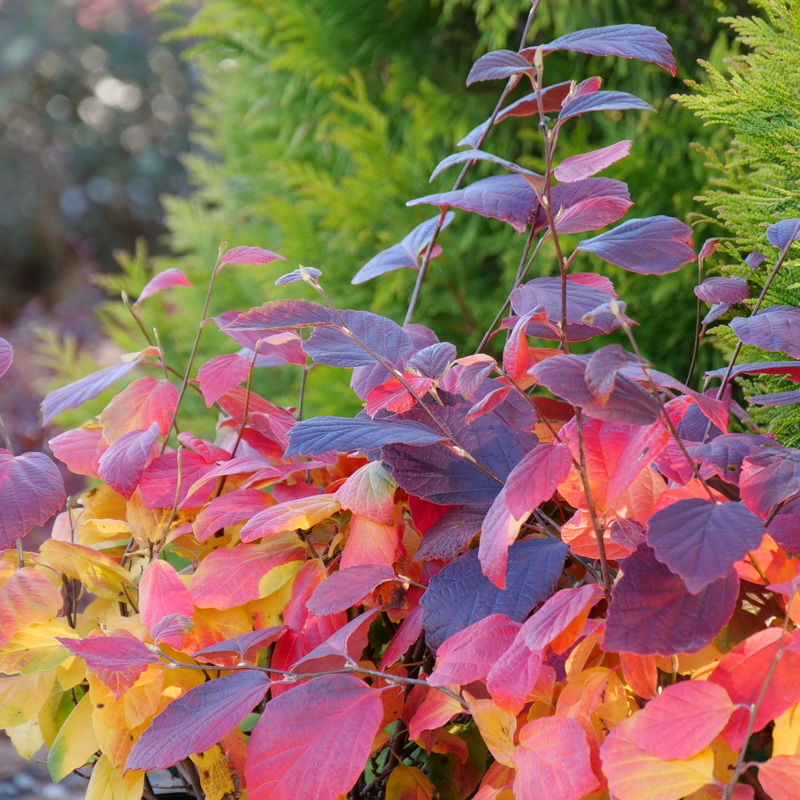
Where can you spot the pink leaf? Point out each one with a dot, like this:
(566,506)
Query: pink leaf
(31,491)
(219,375)
(576,168)
(250,255)
(198,720)
(553,761)
(406,635)
(683,720)
(348,587)
(345,646)
(6,356)
(162,593)
(229,509)
(369,492)
(558,614)
(75,394)
(78,450)
(243,648)
(164,280)
(123,464)
(145,401)
(296,750)
(160,480)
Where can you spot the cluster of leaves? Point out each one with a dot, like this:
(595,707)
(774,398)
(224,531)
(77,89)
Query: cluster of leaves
(757,182)
(626,625)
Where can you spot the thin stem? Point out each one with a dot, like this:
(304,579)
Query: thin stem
(245,413)
(697,334)
(301,400)
(423,270)
(161,354)
(126,301)
(740,765)
(188,372)
(157,551)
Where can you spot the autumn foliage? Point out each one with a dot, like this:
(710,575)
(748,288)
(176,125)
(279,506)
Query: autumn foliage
(547,576)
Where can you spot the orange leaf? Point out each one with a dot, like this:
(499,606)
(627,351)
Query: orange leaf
(26,597)
(409,783)
(496,783)
(640,674)
(780,777)
(370,542)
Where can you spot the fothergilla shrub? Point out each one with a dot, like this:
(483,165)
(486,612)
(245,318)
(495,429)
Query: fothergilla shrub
(548,576)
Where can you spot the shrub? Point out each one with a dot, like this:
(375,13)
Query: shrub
(625,626)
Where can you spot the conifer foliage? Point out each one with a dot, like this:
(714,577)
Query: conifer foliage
(553,575)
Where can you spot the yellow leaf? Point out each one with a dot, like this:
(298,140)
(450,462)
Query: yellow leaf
(22,697)
(278,577)
(26,738)
(54,714)
(215,775)
(409,783)
(74,743)
(103,502)
(268,612)
(94,531)
(114,744)
(615,703)
(135,706)
(106,783)
(724,760)
(100,574)
(634,775)
(36,649)
(786,734)
(70,673)
(497,727)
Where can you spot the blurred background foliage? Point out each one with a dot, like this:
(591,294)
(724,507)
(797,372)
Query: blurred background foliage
(315,123)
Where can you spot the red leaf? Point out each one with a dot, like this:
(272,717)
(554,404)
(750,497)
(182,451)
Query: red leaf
(435,710)
(31,491)
(219,375)
(683,720)
(532,481)
(653,613)
(229,509)
(243,648)
(553,761)
(78,449)
(6,356)
(198,720)
(513,677)
(780,777)
(576,168)
(229,578)
(406,635)
(210,452)
(117,661)
(162,593)
(557,615)
(348,587)
(296,751)
(250,255)
(369,492)
(743,672)
(345,645)
(369,542)
(75,394)
(164,280)
(471,653)
(393,396)
(488,403)
(122,465)
(160,480)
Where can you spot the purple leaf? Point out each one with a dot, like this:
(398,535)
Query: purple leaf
(726,453)
(295,276)
(776,329)
(723,290)
(198,720)
(653,613)
(777,400)
(591,214)
(607,191)
(626,532)
(552,98)
(626,41)
(250,255)
(715,312)
(452,533)
(497,65)
(406,254)
(275,347)
(6,356)
(601,101)
(348,587)
(651,246)
(31,491)
(769,478)
(171,627)
(383,336)
(783,233)
(508,198)
(701,541)
(707,250)
(628,403)
(755,259)
(281,315)
(791,369)
(602,368)
(319,435)
(577,168)
(432,361)
(244,647)
(544,294)
(75,394)
(461,595)
(347,643)
(164,280)
(785,527)
(480,155)
(122,465)
(437,474)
